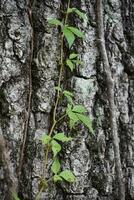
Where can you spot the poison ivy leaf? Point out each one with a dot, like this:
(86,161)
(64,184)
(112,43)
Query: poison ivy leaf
(80,14)
(68,93)
(55,166)
(86,121)
(56,147)
(45,139)
(76,31)
(61,137)
(69,96)
(70,64)
(55,22)
(15,196)
(79,109)
(57,178)
(73,55)
(70,10)
(73,118)
(67,175)
(58,88)
(69,36)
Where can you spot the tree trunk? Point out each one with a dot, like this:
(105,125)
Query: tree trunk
(29,66)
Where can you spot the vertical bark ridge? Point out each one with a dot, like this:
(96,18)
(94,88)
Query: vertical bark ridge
(112,107)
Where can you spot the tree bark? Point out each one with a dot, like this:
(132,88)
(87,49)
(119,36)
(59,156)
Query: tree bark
(29,70)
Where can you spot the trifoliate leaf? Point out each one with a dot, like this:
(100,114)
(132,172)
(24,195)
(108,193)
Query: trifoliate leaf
(70,64)
(57,178)
(56,147)
(79,109)
(86,121)
(76,31)
(67,175)
(69,36)
(55,166)
(55,22)
(45,139)
(61,137)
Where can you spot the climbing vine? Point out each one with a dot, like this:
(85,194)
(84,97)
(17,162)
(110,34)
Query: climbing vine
(73,114)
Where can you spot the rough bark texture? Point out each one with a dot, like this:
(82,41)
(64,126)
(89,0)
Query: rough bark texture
(91,158)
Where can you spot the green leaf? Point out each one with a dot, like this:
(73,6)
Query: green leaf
(70,64)
(86,121)
(67,175)
(73,55)
(69,96)
(56,147)
(55,22)
(45,139)
(57,178)
(80,14)
(58,88)
(55,166)
(69,36)
(70,10)
(73,118)
(68,93)
(76,31)
(79,109)
(15,196)
(61,137)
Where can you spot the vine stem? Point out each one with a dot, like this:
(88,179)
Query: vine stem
(57,100)
(110,88)
(59,85)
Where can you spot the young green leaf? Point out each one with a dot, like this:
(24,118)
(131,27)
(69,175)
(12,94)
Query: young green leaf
(86,121)
(61,137)
(69,36)
(73,55)
(68,93)
(56,147)
(58,88)
(70,64)
(76,31)
(55,22)
(55,166)
(79,109)
(70,10)
(57,178)
(73,118)
(67,175)
(69,96)
(45,139)
(80,14)
(15,196)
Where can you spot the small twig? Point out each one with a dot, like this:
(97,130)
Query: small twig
(110,88)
